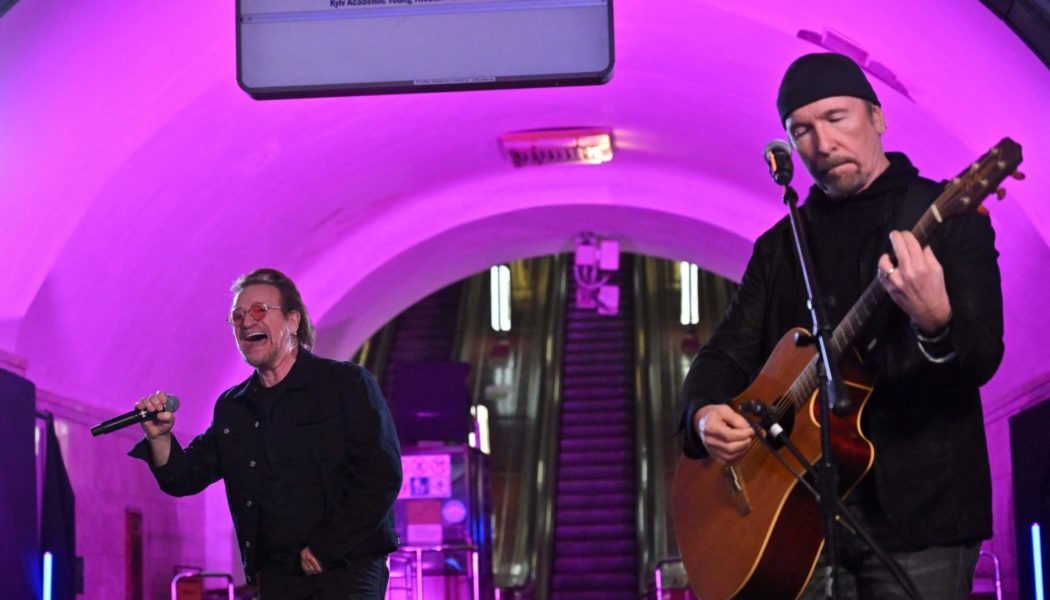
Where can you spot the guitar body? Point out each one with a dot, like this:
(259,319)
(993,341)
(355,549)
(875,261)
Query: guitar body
(751,530)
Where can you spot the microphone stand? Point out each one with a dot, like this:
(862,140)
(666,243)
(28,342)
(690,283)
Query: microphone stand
(832,398)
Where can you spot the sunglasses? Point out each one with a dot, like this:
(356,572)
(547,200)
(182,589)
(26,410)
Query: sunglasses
(257,311)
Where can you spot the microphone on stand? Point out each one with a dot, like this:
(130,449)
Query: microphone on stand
(777,155)
(130,418)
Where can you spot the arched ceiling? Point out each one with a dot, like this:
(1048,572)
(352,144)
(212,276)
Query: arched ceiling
(139,180)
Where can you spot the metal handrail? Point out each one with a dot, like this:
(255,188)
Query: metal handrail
(203,575)
(998,581)
(416,552)
(545,400)
(648,478)
(657,374)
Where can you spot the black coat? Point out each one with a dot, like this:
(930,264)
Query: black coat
(333,442)
(925,420)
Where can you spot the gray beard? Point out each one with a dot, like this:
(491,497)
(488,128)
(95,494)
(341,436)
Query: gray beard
(841,187)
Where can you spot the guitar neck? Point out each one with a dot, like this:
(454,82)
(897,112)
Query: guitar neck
(963,194)
(859,315)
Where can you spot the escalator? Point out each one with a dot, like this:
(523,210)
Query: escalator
(581,410)
(595,546)
(426,331)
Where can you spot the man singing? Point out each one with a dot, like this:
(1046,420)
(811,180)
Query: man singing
(306,448)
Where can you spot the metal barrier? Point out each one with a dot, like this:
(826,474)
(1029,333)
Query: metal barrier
(982,585)
(181,575)
(411,557)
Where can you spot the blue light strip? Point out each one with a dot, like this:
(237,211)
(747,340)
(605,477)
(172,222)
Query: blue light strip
(47,576)
(1037,562)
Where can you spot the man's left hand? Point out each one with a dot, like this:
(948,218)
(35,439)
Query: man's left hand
(309,562)
(916,284)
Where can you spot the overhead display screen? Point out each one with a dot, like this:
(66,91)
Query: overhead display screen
(305,48)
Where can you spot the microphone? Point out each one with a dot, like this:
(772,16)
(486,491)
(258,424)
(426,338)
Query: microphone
(777,155)
(130,418)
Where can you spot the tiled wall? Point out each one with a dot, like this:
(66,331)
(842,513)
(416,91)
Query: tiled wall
(106,483)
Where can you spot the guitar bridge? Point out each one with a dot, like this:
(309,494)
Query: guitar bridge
(737,493)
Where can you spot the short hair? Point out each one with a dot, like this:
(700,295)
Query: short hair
(290,299)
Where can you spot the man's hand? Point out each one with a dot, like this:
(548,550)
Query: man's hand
(726,434)
(309,562)
(158,428)
(162,422)
(916,284)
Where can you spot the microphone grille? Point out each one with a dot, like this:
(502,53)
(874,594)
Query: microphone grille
(171,404)
(776,145)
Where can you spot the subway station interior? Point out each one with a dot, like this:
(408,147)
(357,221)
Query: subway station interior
(527,264)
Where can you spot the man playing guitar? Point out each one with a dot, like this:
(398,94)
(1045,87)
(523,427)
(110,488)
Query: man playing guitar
(927,498)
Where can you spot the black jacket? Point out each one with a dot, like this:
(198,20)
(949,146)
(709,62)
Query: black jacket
(331,441)
(931,472)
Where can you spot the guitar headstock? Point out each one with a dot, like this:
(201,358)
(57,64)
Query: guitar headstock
(967,190)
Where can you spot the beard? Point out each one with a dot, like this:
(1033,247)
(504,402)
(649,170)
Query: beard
(262,360)
(839,183)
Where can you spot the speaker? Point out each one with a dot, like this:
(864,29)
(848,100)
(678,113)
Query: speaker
(20,560)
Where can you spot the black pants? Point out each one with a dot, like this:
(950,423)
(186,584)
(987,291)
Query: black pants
(363,580)
(939,572)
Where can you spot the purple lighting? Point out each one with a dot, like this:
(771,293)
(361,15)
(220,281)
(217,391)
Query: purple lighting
(138,180)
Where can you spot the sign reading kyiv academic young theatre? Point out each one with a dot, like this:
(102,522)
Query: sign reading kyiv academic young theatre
(300,48)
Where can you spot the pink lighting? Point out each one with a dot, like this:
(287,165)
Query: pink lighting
(138,180)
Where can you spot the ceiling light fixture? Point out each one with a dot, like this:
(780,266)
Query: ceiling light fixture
(581,145)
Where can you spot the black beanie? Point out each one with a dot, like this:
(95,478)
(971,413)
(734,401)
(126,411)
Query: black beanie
(817,76)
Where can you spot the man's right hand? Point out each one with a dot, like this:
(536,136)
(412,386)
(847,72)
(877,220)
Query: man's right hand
(725,433)
(162,422)
(158,428)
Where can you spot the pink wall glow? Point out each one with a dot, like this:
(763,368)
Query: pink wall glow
(139,180)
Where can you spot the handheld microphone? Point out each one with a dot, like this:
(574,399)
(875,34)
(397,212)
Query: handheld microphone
(130,418)
(777,155)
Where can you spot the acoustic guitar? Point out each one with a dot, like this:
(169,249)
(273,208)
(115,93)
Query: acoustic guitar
(751,529)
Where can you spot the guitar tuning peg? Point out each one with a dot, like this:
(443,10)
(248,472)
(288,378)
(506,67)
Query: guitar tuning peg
(1000,193)
(1017,175)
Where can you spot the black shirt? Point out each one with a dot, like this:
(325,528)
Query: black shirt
(312,462)
(838,231)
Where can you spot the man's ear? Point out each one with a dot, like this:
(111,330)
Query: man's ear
(878,119)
